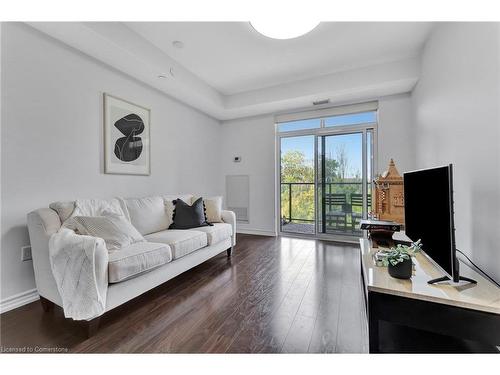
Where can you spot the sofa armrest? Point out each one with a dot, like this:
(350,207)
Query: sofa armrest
(47,220)
(229,217)
(42,223)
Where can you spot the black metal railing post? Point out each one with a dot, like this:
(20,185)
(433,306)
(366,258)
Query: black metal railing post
(290,203)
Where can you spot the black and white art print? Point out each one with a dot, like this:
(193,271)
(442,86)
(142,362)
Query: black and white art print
(126,137)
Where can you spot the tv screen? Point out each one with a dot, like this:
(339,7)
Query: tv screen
(429,213)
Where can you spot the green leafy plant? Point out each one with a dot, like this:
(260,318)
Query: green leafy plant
(401,253)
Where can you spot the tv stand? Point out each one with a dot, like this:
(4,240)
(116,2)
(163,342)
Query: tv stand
(446,278)
(413,316)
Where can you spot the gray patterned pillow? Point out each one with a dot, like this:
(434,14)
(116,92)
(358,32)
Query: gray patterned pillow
(115,230)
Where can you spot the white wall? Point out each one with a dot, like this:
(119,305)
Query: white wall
(395,133)
(253,139)
(52,139)
(457,120)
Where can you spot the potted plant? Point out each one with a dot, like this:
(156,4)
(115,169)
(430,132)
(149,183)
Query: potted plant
(398,260)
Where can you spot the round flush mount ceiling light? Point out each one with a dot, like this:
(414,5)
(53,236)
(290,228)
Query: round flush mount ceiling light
(284,29)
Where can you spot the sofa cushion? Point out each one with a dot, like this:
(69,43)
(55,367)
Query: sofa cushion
(135,259)
(168,200)
(147,214)
(182,242)
(213,208)
(216,233)
(115,230)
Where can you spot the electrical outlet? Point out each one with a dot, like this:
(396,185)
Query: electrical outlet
(25,253)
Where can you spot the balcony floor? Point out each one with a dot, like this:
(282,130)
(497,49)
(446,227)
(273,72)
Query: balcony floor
(305,228)
(301,228)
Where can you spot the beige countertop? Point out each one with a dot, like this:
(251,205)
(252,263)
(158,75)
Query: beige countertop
(483,296)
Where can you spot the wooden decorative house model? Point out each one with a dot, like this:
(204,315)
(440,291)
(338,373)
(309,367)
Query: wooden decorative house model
(389,195)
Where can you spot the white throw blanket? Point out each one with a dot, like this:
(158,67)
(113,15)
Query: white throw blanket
(80,267)
(80,264)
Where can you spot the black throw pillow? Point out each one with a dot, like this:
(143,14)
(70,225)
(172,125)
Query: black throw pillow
(186,216)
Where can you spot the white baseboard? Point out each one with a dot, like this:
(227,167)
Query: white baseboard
(18,300)
(256,232)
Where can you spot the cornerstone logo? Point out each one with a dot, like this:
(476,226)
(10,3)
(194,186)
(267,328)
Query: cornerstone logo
(32,349)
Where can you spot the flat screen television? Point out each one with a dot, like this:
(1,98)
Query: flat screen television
(428,198)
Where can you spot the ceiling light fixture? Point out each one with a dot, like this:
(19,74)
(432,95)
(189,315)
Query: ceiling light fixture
(284,29)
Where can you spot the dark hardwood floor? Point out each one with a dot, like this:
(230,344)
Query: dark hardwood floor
(273,295)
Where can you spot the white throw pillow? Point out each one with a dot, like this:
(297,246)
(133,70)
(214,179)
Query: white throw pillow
(147,214)
(213,208)
(88,207)
(97,207)
(115,230)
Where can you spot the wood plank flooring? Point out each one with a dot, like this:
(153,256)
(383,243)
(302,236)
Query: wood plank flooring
(274,295)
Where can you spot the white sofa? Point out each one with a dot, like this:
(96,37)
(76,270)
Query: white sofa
(185,248)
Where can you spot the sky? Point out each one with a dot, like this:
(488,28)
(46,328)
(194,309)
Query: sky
(350,119)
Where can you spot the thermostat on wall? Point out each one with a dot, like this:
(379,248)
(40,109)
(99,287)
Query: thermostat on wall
(237,159)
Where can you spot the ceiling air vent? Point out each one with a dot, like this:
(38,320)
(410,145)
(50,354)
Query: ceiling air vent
(319,102)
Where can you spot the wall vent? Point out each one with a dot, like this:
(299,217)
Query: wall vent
(241,213)
(320,102)
(237,196)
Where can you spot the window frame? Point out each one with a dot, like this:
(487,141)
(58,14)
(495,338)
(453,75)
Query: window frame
(326,112)
(292,121)
(324,130)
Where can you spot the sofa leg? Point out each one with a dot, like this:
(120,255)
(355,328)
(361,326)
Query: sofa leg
(46,304)
(229,251)
(93,326)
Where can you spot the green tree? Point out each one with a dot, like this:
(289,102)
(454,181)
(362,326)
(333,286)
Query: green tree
(331,169)
(295,168)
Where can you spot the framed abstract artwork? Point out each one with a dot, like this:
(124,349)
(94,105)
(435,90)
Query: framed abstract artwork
(126,137)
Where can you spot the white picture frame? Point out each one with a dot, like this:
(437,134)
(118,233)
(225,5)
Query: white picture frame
(127,142)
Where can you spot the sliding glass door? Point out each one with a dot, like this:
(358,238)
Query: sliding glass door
(341,198)
(325,175)
(297,184)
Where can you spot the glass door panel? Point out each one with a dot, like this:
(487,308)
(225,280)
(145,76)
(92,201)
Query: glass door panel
(297,176)
(340,193)
(369,170)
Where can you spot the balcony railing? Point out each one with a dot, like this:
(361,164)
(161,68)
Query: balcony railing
(342,206)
